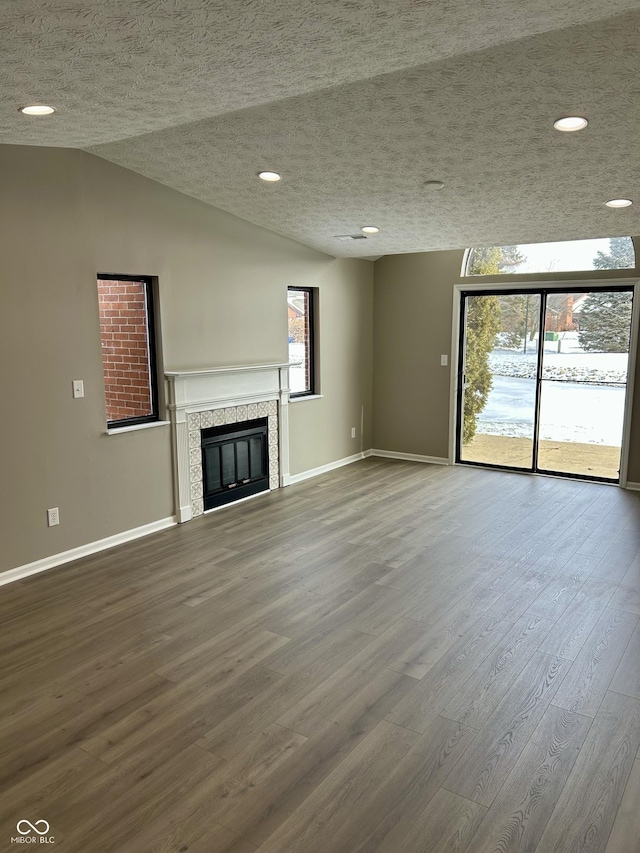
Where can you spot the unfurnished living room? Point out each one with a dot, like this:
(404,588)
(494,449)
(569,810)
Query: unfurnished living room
(320,522)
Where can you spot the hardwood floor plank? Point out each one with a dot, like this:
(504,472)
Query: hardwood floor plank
(400,800)
(340,804)
(522,807)
(625,835)
(323,651)
(364,681)
(520,596)
(590,675)
(626,599)
(587,807)
(474,703)
(444,633)
(230,654)
(631,578)
(176,720)
(267,805)
(130,806)
(570,633)
(627,676)
(24,754)
(446,825)
(318,658)
(206,804)
(430,695)
(482,770)
(563,588)
(621,554)
(62,778)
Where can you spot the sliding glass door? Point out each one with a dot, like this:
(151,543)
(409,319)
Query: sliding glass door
(542,380)
(497,423)
(583,382)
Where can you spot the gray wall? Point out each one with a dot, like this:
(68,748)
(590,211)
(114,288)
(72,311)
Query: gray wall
(67,215)
(413,316)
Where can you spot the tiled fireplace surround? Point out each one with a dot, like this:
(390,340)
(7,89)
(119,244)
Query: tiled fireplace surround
(198,399)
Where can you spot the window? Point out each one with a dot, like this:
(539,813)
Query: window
(300,309)
(128,349)
(616,253)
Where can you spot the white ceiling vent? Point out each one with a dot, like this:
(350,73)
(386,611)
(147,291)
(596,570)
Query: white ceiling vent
(351,236)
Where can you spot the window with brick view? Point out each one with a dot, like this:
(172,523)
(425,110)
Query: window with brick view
(127,336)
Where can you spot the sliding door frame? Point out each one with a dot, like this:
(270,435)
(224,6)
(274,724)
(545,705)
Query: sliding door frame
(493,286)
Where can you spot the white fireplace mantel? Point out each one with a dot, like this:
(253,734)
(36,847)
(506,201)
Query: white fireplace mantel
(191,392)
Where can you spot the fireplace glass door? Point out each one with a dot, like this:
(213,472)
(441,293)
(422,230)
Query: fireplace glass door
(234,461)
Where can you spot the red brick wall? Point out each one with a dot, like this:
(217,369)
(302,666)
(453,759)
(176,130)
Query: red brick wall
(125,348)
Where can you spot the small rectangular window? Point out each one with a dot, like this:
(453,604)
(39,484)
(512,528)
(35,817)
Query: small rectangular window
(127,334)
(301,309)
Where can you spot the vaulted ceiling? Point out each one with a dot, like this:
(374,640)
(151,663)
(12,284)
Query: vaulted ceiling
(356,103)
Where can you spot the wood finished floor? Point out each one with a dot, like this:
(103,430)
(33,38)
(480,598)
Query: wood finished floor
(392,657)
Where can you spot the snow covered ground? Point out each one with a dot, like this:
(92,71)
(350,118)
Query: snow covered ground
(590,413)
(297,373)
(598,367)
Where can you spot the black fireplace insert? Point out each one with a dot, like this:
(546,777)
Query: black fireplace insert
(235,461)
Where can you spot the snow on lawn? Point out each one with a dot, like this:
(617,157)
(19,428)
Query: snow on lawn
(587,413)
(601,368)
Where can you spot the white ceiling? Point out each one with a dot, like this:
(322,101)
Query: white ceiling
(355,103)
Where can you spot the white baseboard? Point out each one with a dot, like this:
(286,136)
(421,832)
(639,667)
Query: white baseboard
(85,550)
(330,466)
(633,487)
(410,457)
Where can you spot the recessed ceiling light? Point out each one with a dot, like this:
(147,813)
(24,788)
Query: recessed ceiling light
(569,124)
(433,185)
(369,229)
(271,177)
(619,202)
(37,110)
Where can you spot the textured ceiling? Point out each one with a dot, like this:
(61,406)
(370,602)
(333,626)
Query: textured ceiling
(356,103)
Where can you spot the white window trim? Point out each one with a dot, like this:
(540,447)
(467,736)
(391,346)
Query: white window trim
(134,427)
(302,397)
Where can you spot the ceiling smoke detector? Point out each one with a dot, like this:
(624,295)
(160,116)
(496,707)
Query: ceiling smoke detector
(433,185)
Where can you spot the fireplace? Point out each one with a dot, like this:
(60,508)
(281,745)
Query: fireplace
(206,406)
(235,461)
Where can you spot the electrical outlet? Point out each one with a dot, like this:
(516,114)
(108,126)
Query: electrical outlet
(353,432)
(78,388)
(53,516)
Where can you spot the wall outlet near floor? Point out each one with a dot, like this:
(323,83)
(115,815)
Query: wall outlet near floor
(353,432)
(53,516)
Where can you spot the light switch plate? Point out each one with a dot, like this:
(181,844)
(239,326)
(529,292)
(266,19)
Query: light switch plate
(78,388)
(444,360)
